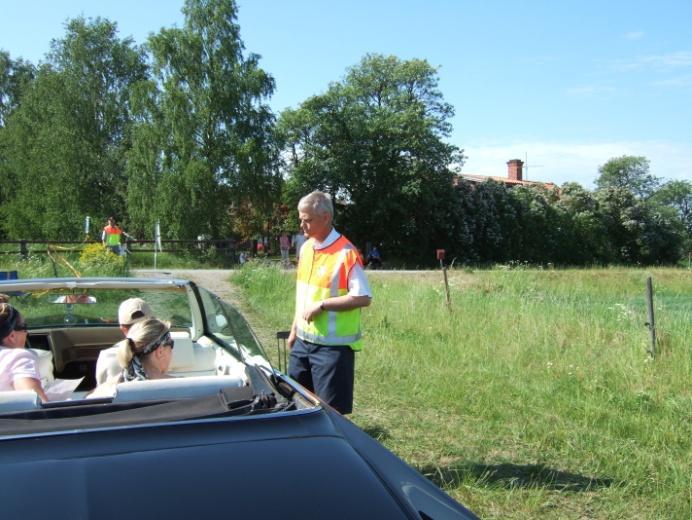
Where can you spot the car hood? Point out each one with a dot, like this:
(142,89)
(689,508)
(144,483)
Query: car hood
(295,466)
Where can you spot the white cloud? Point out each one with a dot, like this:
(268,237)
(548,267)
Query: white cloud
(680,81)
(634,35)
(576,162)
(589,90)
(670,60)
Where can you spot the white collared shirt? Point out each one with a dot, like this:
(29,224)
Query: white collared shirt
(357,281)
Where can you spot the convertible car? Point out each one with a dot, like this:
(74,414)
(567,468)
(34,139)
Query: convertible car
(230,436)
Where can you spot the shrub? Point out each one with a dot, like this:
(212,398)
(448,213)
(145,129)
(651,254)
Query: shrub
(96,260)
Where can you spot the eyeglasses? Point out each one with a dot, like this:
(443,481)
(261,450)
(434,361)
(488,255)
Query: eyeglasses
(20,327)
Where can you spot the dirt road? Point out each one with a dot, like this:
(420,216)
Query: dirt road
(216,280)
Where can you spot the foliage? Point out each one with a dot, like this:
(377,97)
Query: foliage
(96,260)
(375,142)
(203,138)
(14,75)
(65,142)
(630,173)
(535,398)
(179,131)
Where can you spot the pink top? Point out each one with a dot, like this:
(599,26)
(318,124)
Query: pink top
(16,363)
(284,242)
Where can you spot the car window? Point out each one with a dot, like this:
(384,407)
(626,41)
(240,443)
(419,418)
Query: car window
(228,325)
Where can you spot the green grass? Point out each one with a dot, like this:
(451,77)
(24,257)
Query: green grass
(535,396)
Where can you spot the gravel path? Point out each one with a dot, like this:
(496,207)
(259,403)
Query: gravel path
(215,280)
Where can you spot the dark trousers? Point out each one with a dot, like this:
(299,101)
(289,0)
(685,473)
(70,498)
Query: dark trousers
(325,370)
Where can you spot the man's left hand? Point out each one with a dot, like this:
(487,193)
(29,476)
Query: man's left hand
(312,311)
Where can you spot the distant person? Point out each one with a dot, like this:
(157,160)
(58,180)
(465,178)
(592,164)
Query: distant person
(374,259)
(331,288)
(18,366)
(297,241)
(285,247)
(111,237)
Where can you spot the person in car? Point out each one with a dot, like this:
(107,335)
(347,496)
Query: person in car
(18,366)
(131,311)
(144,354)
(146,351)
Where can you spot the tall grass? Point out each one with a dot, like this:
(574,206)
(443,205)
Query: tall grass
(535,396)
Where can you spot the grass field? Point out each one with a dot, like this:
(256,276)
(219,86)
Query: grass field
(535,397)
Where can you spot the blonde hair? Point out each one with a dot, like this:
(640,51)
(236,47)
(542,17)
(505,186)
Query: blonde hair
(141,334)
(5,309)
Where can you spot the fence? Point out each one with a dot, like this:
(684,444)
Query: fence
(24,248)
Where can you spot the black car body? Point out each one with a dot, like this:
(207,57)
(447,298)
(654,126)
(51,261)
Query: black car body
(232,439)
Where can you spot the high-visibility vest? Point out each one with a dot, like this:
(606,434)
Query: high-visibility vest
(323,273)
(112,235)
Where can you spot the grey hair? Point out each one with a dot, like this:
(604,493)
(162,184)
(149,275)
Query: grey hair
(141,333)
(317,201)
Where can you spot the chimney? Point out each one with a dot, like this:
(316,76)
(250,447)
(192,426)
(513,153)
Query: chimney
(514,169)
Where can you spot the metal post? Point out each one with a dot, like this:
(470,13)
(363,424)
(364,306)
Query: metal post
(651,323)
(449,300)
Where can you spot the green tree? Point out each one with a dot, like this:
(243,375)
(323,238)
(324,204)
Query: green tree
(628,172)
(674,199)
(204,138)
(638,233)
(15,75)
(375,142)
(69,135)
(584,237)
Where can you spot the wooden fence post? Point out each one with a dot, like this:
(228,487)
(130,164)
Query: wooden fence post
(650,310)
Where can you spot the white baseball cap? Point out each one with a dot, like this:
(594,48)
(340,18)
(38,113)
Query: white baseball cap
(132,310)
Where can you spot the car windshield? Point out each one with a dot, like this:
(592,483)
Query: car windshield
(61,307)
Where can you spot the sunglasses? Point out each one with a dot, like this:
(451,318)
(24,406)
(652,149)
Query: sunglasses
(20,327)
(167,340)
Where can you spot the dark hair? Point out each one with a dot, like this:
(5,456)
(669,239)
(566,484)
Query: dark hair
(8,319)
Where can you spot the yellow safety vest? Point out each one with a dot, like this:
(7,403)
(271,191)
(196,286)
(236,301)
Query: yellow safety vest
(112,235)
(323,273)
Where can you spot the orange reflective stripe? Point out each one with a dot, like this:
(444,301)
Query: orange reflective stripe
(322,274)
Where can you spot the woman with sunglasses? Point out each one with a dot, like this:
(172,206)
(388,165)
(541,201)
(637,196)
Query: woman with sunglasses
(145,353)
(18,366)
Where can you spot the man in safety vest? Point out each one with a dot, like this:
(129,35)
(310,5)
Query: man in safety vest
(331,288)
(111,236)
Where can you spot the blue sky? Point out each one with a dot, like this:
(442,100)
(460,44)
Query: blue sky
(566,85)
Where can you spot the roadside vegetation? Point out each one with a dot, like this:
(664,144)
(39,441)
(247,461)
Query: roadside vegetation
(178,130)
(535,397)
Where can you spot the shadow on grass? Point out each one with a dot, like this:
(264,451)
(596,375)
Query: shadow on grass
(513,476)
(377,432)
